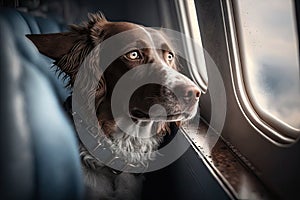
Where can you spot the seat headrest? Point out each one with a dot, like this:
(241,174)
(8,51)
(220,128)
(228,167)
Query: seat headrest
(39,157)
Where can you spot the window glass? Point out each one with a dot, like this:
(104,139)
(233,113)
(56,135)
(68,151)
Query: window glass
(268,43)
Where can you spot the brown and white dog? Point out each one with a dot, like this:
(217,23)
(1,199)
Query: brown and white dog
(69,49)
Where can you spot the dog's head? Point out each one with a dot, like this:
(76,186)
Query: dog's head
(177,94)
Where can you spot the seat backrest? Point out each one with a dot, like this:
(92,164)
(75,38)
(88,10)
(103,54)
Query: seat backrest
(39,158)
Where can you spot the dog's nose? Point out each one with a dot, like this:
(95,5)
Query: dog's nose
(188,93)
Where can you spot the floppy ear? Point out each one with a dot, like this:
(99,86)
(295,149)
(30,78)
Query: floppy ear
(54,45)
(69,49)
(91,84)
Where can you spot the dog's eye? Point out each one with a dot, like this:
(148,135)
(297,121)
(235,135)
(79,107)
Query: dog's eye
(169,56)
(133,55)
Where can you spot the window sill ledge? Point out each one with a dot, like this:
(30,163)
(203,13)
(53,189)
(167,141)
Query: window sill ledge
(236,176)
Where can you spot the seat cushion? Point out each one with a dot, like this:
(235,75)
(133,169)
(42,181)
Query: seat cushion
(39,158)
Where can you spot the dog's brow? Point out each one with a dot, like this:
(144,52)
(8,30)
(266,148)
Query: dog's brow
(141,43)
(138,44)
(166,47)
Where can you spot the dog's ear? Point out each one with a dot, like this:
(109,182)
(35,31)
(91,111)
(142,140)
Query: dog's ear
(54,45)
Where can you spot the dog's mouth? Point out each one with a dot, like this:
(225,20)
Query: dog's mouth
(140,115)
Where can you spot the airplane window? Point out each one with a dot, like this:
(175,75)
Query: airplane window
(268,45)
(188,21)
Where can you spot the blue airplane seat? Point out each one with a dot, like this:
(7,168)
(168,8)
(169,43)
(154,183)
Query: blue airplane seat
(39,158)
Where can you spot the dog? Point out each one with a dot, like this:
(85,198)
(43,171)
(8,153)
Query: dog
(70,49)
